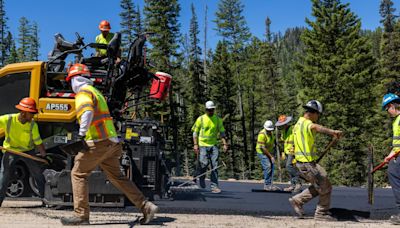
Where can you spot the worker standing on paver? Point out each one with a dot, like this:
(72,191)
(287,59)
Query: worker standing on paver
(22,135)
(206,131)
(391,104)
(265,148)
(306,156)
(104,37)
(96,127)
(288,152)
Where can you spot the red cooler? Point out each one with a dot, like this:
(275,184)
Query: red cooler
(159,88)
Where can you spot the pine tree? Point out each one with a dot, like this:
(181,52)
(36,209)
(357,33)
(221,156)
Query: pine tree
(223,94)
(268,33)
(388,18)
(196,71)
(232,27)
(138,22)
(24,39)
(162,19)
(34,42)
(12,55)
(3,34)
(128,17)
(339,70)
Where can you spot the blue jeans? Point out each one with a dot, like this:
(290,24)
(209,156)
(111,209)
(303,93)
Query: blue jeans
(206,154)
(268,168)
(7,168)
(394,179)
(292,170)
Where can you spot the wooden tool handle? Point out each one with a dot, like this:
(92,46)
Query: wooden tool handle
(25,155)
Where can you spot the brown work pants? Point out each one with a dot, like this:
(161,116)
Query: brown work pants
(320,186)
(105,154)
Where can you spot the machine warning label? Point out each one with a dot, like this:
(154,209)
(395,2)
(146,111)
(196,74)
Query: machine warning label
(58,107)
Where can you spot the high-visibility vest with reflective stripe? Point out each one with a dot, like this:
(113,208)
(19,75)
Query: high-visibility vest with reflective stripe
(265,141)
(208,129)
(304,141)
(288,139)
(101,40)
(396,134)
(19,137)
(102,126)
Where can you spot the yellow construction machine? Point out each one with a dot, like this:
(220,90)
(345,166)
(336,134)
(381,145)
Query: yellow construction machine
(123,84)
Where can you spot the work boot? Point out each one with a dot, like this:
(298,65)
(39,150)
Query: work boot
(298,208)
(395,219)
(148,210)
(297,188)
(324,217)
(272,187)
(215,190)
(74,221)
(289,189)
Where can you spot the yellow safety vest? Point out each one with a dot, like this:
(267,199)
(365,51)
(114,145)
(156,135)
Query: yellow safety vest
(208,129)
(265,141)
(19,137)
(101,40)
(288,139)
(396,134)
(102,126)
(304,141)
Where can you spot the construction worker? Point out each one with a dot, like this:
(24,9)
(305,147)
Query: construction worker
(22,135)
(206,130)
(104,37)
(96,127)
(288,152)
(265,148)
(391,104)
(306,155)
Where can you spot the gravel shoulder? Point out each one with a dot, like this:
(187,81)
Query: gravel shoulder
(30,214)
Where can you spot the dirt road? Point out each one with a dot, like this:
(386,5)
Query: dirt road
(30,214)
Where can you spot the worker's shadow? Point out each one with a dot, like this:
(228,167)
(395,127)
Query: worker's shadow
(158,221)
(342,214)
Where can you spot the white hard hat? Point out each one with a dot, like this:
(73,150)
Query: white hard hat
(268,125)
(314,105)
(210,105)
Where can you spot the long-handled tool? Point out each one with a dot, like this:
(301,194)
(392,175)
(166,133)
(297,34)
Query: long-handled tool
(332,142)
(205,173)
(384,162)
(25,155)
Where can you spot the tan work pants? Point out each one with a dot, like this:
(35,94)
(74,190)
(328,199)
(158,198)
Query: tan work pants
(105,154)
(320,186)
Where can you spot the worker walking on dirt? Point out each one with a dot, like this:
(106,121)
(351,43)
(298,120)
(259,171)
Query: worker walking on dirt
(306,155)
(265,148)
(22,135)
(391,104)
(288,152)
(96,127)
(206,131)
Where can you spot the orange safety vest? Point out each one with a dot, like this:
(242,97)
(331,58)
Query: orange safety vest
(102,126)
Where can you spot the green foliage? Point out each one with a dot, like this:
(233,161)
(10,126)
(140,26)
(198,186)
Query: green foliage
(34,43)
(130,24)
(339,70)
(4,45)
(386,10)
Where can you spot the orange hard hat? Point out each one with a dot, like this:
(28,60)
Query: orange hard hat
(27,104)
(78,69)
(104,26)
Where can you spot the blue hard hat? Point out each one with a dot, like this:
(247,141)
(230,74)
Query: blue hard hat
(388,98)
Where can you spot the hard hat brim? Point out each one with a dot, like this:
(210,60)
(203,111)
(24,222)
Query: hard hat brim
(21,108)
(311,108)
(104,29)
(269,128)
(288,119)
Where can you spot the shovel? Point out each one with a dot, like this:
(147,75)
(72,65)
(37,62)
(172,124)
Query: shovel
(25,155)
(333,141)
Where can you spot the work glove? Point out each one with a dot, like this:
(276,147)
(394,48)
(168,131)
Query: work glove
(48,158)
(79,138)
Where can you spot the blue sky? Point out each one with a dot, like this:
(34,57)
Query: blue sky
(68,17)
